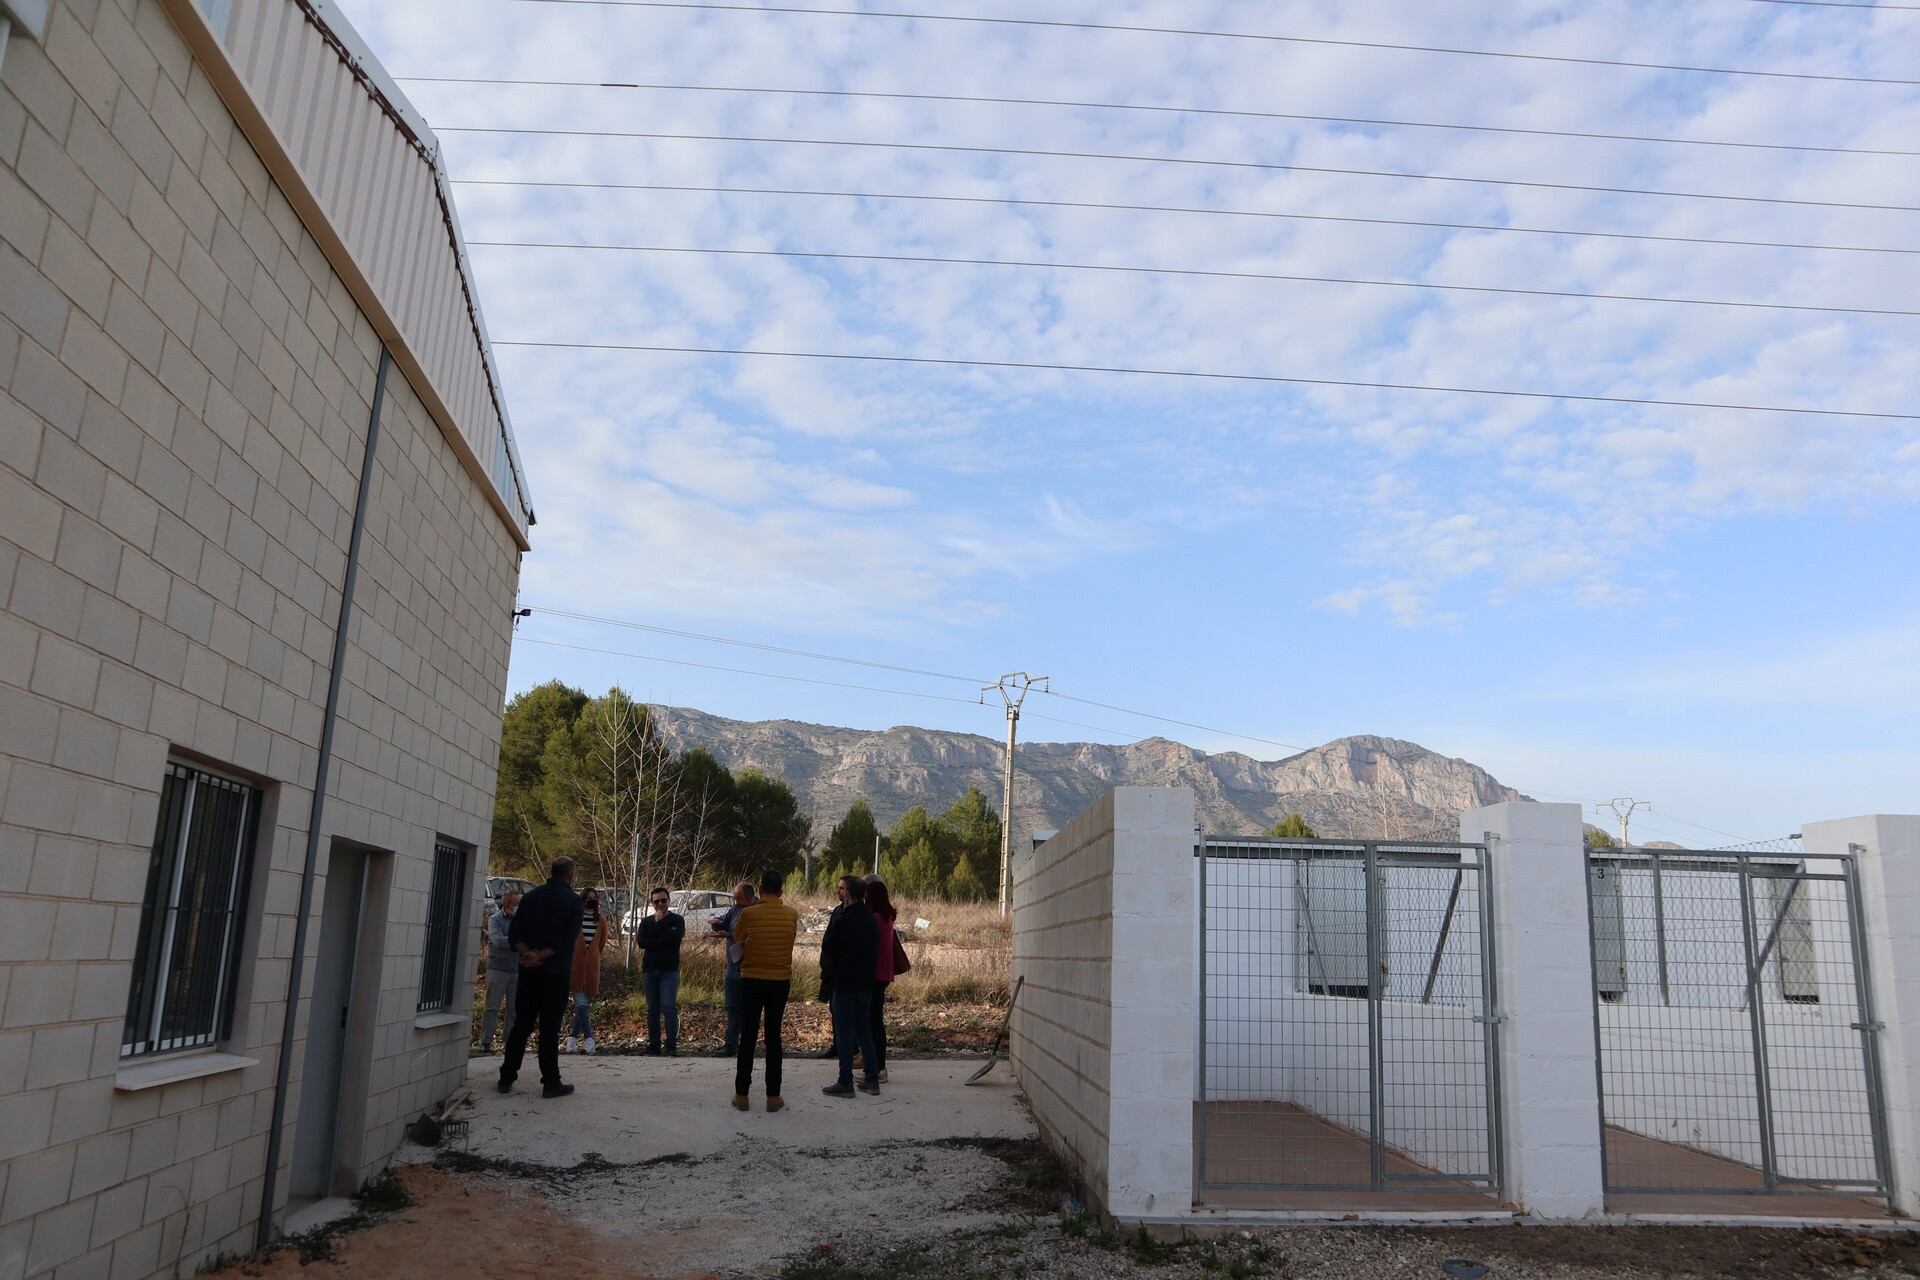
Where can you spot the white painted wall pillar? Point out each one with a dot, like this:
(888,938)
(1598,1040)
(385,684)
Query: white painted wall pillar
(1544,973)
(1887,847)
(1155,978)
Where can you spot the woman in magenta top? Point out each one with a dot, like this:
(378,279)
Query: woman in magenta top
(883,915)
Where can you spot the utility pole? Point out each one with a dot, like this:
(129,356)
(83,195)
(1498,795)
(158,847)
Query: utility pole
(876,853)
(1623,807)
(1012,689)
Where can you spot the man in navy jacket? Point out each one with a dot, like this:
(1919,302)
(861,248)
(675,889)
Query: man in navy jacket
(543,933)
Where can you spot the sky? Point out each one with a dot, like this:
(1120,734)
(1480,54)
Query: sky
(1714,610)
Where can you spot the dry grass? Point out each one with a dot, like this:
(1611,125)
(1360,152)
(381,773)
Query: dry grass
(963,957)
(951,1000)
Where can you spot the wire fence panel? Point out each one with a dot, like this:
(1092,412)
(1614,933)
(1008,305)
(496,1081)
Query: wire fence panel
(1736,1050)
(1344,1036)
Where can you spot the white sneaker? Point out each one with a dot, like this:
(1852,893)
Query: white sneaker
(568,1046)
(883,1075)
(590,1044)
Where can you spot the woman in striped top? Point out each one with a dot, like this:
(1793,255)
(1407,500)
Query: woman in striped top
(595,926)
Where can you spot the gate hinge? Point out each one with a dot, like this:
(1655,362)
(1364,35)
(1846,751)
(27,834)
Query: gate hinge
(1494,1019)
(1872,1028)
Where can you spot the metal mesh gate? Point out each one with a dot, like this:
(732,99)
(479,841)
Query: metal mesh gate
(1734,1024)
(1345,1041)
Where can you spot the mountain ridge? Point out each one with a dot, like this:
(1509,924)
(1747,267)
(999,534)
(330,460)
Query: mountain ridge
(1362,785)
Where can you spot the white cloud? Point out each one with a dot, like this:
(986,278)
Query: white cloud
(870,489)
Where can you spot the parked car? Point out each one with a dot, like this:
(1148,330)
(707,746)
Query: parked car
(701,907)
(499,886)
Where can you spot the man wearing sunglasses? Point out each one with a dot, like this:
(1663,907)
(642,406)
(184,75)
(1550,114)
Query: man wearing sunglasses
(659,937)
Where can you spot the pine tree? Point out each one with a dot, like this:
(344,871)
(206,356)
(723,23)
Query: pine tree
(918,872)
(964,883)
(1293,827)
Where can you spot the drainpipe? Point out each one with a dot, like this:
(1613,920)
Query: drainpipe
(314,813)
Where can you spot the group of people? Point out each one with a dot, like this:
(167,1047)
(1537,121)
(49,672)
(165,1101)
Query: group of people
(658,937)
(544,950)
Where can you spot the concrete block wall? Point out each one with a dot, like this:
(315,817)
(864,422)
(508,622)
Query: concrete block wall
(1062,1034)
(184,388)
(1103,1036)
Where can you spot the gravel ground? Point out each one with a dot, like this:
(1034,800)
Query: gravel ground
(646,1172)
(1064,1249)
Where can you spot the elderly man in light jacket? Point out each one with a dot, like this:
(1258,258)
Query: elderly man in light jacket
(503,970)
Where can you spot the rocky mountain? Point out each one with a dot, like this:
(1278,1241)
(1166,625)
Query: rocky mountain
(1357,786)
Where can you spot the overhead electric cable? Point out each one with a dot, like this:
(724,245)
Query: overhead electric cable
(1843,4)
(1334,748)
(984,99)
(1185,724)
(962,363)
(540,610)
(1197,272)
(742,671)
(1180,209)
(1269,37)
(1265,165)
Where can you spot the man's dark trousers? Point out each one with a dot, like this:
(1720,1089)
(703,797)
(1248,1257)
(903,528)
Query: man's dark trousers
(760,997)
(736,1008)
(542,997)
(853,1029)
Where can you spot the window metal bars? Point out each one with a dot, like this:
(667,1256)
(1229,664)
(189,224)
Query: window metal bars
(439,971)
(1307,1081)
(1753,1068)
(181,995)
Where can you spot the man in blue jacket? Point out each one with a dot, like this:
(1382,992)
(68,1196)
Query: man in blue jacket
(543,932)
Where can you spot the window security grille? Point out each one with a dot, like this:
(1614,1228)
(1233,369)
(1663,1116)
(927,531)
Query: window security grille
(446,911)
(191,923)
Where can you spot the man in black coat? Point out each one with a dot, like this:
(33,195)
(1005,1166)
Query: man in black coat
(848,956)
(543,933)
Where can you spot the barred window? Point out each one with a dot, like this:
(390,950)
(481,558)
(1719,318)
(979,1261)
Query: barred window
(446,913)
(191,923)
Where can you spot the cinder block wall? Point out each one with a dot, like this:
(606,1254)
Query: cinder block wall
(1062,1036)
(184,388)
(1104,1035)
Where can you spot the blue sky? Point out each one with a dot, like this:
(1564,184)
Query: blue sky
(1714,610)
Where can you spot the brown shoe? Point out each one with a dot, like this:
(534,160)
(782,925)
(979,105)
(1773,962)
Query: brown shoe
(774,1104)
(739,1102)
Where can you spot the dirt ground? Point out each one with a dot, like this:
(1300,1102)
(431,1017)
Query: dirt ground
(647,1172)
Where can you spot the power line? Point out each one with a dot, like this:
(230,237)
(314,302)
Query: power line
(1188,724)
(1295,748)
(1263,165)
(751,644)
(984,99)
(1180,209)
(1843,4)
(1270,37)
(1199,273)
(742,671)
(960,363)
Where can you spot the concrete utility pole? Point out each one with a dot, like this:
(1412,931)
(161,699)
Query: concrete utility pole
(1012,689)
(1623,807)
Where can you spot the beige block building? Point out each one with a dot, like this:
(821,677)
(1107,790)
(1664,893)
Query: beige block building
(261,520)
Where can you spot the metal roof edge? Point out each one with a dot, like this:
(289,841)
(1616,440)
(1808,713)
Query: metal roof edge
(210,49)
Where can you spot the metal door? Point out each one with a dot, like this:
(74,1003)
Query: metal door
(1736,1041)
(1345,1034)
